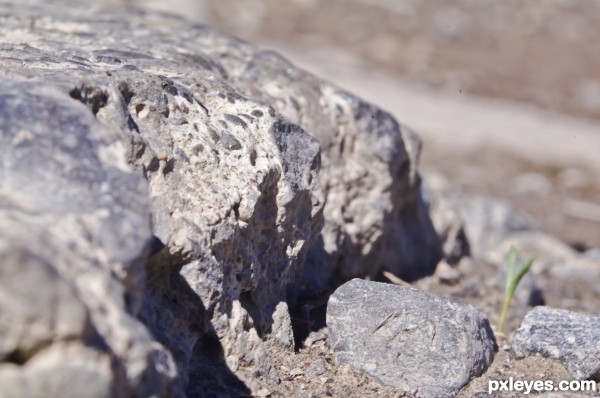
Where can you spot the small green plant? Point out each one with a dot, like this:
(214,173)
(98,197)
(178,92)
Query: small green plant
(513,277)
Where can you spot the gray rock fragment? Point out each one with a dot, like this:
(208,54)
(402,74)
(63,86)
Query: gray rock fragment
(549,252)
(316,369)
(487,222)
(566,336)
(55,313)
(61,370)
(592,254)
(530,184)
(446,220)
(427,345)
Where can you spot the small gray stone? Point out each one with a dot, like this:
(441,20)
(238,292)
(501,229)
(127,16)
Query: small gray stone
(592,254)
(549,253)
(230,142)
(488,221)
(566,336)
(427,345)
(445,218)
(315,369)
(530,184)
(282,327)
(315,337)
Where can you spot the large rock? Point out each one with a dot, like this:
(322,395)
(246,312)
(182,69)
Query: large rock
(566,336)
(233,187)
(427,345)
(218,130)
(74,227)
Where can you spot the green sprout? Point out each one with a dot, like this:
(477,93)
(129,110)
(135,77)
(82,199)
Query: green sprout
(512,281)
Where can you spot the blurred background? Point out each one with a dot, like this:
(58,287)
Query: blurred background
(505,94)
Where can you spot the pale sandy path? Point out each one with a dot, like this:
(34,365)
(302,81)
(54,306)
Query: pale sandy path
(458,122)
(446,120)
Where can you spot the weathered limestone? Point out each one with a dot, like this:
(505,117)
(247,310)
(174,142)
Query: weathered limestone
(208,250)
(74,226)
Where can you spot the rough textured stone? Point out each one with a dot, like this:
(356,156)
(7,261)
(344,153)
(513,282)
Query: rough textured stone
(234,198)
(375,218)
(233,187)
(218,130)
(566,336)
(428,345)
(74,226)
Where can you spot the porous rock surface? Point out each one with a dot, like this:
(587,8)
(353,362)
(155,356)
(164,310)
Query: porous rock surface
(427,345)
(375,217)
(74,226)
(202,256)
(569,337)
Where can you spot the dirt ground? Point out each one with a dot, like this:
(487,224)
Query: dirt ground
(506,97)
(312,372)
